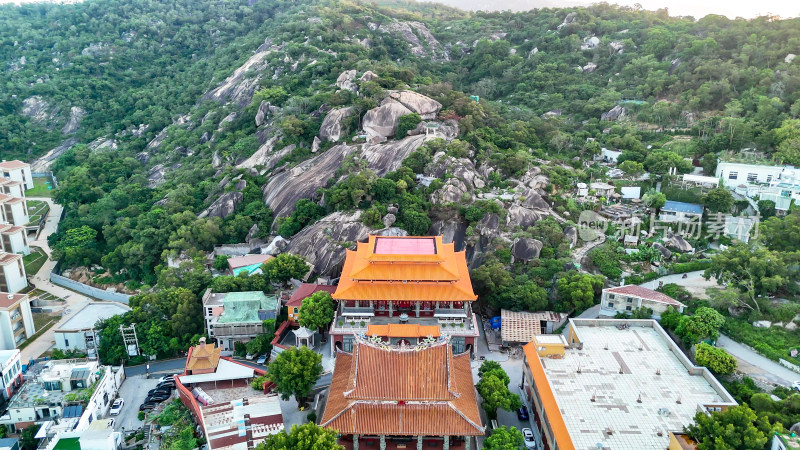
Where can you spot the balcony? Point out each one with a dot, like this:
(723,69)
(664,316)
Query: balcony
(238,330)
(15,315)
(461,325)
(361,311)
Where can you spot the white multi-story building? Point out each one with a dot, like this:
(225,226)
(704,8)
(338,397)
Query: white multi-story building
(18,171)
(14,239)
(16,320)
(626,299)
(78,332)
(13,210)
(10,372)
(780,184)
(12,273)
(11,187)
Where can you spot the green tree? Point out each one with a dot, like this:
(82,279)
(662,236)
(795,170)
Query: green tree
(416,223)
(737,428)
(632,168)
(504,438)
(284,267)
(661,161)
(716,359)
(766,209)
(78,247)
(295,371)
(407,123)
(317,311)
(308,436)
(26,438)
(496,395)
(654,199)
(221,262)
(705,323)
(577,291)
(718,200)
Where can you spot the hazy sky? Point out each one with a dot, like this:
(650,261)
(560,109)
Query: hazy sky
(696,8)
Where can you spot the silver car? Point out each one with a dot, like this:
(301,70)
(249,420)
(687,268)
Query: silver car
(530,439)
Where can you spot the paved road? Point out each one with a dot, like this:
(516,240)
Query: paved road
(757,366)
(133,390)
(694,282)
(41,280)
(157,367)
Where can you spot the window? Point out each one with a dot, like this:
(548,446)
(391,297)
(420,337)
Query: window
(347,343)
(733,175)
(611,296)
(752,177)
(610,304)
(66,342)
(769,178)
(628,308)
(296,310)
(458,344)
(52,385)
(209,311)
(630,300)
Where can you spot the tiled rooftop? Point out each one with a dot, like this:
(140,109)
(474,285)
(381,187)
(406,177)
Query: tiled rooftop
(628,382)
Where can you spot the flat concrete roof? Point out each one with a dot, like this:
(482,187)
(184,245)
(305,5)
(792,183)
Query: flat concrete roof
(86,318)
(625,386)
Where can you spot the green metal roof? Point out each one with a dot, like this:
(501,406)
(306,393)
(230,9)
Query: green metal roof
(243,307)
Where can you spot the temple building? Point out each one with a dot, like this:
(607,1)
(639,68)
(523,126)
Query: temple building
(416,281)
(390,397)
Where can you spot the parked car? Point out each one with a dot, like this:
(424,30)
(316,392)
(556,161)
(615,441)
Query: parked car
(530,439)
(111,423)
(147,406)
(167,384)
(167,378)
(250,356)
(116,407)
(156,398)
(522,413)
(160,390)
(262,360)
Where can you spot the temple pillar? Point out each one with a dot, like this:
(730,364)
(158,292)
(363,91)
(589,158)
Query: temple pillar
(355,442)
(417,308)
(356,303)
(467,442)
(391,308)
(383,442)
(371,306)
(419,442)
(446,445)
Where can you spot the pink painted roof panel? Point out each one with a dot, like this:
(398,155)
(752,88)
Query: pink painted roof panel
(405,246)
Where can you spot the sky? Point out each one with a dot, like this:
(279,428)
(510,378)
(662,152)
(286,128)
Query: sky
(696,8)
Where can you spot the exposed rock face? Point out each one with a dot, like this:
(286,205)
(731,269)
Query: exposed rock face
(43,163)
(452,192)
(39,110)
(286,188)
(589,68)
(319,244)
(368,76)
(391,231)
(406,30)
(223,206)
(522,217)
(157,174)
(789,58)
(571,235)
(251,239)
(238,88)
(533,200)
(525,249)
(75,116)
(488,226)
(382,121)
(389,220)
(261,156)
(265,110)
(452,230)
(332,127)
(155,144)
(143,157)
(665,253)
(278,245)
(679,243)
(346,81)
(102,143)
(615,113)
(216,160)
(315,145)
(617,46)
(462,168)
(426,107)
(387,157)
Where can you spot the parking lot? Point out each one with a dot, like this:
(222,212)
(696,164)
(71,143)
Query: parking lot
(133,391)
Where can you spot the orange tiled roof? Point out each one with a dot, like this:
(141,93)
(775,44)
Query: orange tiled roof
(203,356)
(442,276)
(551,410)
(383,391)
(404,330)
(15,164)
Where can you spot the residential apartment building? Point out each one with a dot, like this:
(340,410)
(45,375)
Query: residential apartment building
(12,188)
(780,184)
(405,281)
(16,320)
(626,299)
(614,384)
(13,210)
(388,397)
(680,212)
(10,372)
(17,171)
(303,292)
(14,239)
(237,316)
(66,394)
(12,273)
(78,333)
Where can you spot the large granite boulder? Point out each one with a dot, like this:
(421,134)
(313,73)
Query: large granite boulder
(242,84)
(453,191)
(223,206)
(488,226)
(265,111)
(616,113)
(521,217)
(388,156)
(679,243)
(216,160)
(276,246)
(665,253)
(426,107)
(571,235)
(260,157)
(391,231)
(74,122)
(40,111)
(525,249)
(321,243)
(368,76)
(529,198)
(452,230)
(332,127)
(382,121)
(286,188)
(346,81)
